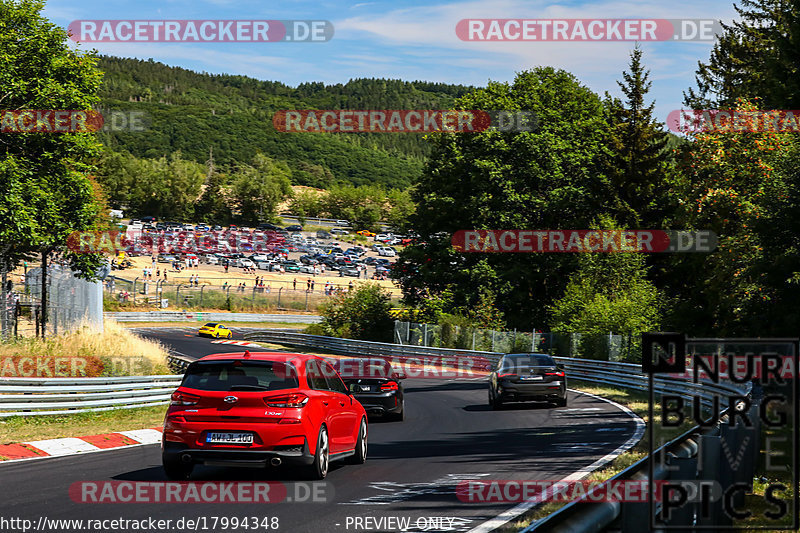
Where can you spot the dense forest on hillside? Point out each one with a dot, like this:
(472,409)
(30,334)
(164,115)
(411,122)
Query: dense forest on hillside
(191,112)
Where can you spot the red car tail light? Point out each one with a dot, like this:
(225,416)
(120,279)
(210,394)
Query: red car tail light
(556,374)
(506,375)
(287,400)
(392,385)
(182,398)
(289,421)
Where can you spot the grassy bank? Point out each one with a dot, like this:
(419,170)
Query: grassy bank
(29,428)
(86,352)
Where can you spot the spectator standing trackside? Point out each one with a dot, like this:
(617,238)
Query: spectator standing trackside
(308,284)
(312,285)
(294,284)
(350,287)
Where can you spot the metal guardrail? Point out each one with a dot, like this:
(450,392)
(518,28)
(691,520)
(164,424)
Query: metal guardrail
(188,316)
(60,396)
(477,360)
(56,396)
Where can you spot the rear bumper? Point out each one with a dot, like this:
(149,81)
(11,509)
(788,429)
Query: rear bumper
(299,455)
(555,390)
(380,404)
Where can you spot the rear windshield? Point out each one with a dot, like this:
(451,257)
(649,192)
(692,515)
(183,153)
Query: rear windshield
(527,360)
(240,375)
(210,325)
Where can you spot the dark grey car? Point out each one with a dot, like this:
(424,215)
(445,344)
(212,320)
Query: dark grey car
(520,377)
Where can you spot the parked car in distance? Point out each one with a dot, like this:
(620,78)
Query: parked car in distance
(350,271)
(262,408)
(310,269)
(338,231)
(322,234)
(245,263)
(375,384)
(522,377)
(386,251)
(294,228)
(291,266)
(342,222)
(365,233)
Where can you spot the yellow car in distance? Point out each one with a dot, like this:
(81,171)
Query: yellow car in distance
(212,329)
(365,233)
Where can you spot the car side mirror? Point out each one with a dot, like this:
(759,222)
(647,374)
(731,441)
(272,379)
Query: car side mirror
(400,375)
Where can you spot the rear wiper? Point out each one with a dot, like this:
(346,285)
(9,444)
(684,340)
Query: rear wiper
(248,387)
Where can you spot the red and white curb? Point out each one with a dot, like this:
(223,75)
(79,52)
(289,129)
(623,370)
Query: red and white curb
(238,343)
(38,449)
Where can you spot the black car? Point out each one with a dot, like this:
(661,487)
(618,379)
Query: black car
(375,384)
(267,226)
(294,228)
(522,377)
(322,234)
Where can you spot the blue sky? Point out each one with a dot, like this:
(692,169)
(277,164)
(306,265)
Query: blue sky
(412,40)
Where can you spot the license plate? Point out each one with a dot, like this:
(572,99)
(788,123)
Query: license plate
(532,378)
(229,438)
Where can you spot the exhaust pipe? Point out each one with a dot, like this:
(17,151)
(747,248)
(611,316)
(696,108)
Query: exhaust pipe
(186,458)
(275,461)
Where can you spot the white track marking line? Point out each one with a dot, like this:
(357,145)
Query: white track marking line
(65,446)
(510,514)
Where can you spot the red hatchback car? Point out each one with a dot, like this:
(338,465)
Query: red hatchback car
(255,409)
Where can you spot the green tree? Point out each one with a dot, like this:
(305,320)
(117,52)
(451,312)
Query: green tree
(362,314)
(399,208)
(758,56)
(638,162)
(257,189)
(45,189)
(309,203)
(741,187)
(609,293)
(549,178)
(362,206)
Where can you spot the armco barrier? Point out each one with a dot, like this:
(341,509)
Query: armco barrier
(58,396)
(55,396)
(357,348)
(188,316)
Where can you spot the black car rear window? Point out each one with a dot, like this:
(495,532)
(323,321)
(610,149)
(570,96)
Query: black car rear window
(527,360)
(210,325)
(240,375)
